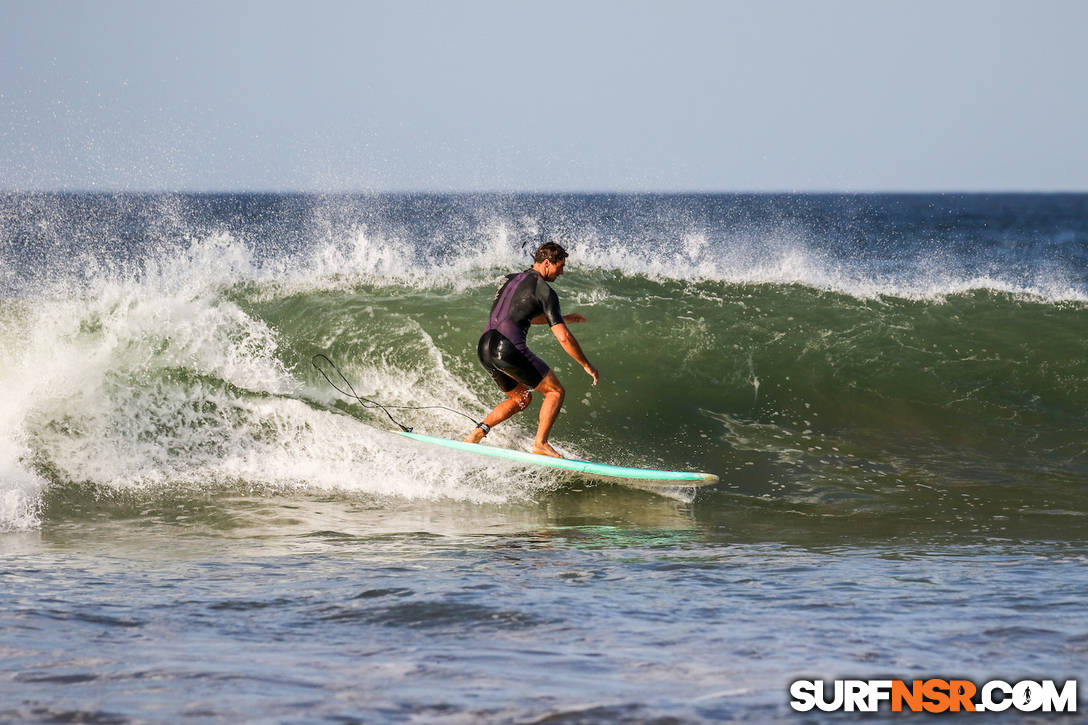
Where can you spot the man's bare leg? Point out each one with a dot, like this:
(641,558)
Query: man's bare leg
(516,400)
(549,410)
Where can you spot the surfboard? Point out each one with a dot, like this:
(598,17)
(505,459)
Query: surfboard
(623,474)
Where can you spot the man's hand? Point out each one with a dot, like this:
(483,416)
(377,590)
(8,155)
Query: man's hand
(588,367)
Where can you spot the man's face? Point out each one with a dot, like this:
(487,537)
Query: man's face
(553,269)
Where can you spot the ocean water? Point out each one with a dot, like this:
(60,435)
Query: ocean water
(195,527)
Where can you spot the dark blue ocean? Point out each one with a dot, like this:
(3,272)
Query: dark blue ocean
(194,527)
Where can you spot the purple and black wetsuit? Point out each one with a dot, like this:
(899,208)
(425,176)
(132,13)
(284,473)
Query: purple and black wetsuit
(502,349)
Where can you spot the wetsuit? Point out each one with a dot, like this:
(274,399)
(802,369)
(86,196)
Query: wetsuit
(502,349)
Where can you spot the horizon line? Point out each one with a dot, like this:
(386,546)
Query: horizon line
(544,192)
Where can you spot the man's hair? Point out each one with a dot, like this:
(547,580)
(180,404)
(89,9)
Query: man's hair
(551,252)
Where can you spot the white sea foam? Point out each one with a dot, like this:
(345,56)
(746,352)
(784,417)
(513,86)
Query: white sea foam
(157,379)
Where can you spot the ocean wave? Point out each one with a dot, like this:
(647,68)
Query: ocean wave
(179,359)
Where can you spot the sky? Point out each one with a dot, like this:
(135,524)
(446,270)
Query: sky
(505,95)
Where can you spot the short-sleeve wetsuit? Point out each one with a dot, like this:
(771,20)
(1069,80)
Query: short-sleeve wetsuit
(502,349)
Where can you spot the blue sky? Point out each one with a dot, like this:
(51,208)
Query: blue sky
(567,96)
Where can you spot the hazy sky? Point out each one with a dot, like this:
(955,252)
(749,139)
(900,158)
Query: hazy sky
(510,95)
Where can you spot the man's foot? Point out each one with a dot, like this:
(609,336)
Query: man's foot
(545,449)
(475,436)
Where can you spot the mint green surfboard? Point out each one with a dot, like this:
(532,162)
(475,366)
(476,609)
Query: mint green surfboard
(635,476)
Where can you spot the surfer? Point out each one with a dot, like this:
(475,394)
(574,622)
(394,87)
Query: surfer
(526,298)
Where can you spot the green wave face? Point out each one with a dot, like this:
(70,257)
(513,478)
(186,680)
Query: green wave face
(970,403)
(961,407)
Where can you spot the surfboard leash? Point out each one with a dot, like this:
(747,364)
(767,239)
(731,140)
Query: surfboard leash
(368,403)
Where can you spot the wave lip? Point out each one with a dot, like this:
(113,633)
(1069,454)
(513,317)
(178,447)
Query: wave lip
(917,247)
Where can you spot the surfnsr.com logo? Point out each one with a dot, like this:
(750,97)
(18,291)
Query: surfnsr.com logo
(933,695)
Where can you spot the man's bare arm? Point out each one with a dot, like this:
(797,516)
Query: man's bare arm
(570,344)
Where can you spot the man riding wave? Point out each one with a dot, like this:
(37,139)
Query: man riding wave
(524,299)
